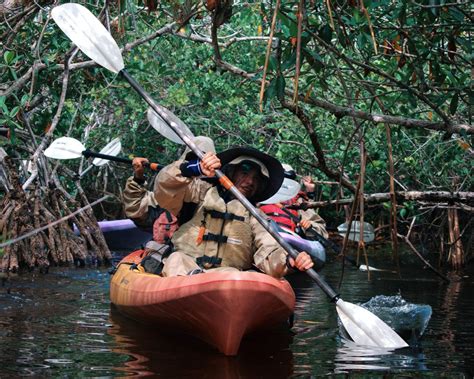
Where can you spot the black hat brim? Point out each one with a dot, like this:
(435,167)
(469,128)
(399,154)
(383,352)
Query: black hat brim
(273,166)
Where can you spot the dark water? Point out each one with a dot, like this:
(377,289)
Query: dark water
(62,325)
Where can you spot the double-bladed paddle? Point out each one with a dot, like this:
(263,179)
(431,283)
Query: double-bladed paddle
(71,148)
(81,26)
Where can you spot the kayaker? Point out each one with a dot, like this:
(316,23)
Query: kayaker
(141,206)
(223,235)
(304,222)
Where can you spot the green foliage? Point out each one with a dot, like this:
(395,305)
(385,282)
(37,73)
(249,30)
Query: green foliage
(421,71)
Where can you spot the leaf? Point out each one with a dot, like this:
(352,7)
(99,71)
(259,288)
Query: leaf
(326,33)
(457,14)
(377,163)
(3,106)
(434,9)
(453,106)
(12,134)
(360,41)
(463,144)
(8,57)
(24,99)
(271,91)
(280,86)
(411,99)
(290,60)
(13,73)
(314,59)
(402,15)
(323,84)
(288,25)
(272,63)
(14,111)
(356,16)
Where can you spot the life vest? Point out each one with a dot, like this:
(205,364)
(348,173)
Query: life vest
(283,217)
(164,227)
(286,218)
(218,235)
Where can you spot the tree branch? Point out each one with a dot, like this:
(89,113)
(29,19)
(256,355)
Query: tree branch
(305,120)
(402,196)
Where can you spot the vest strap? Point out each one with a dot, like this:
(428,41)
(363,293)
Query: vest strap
(208,262)
(276,214)
(225,215)
(291,215)
(219,238)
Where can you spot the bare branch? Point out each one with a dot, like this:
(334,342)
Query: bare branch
(402,196)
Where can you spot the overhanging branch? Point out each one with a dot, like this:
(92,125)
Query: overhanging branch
(427,196)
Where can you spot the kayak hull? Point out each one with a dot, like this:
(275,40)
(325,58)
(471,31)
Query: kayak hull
(122,235)
(219,308)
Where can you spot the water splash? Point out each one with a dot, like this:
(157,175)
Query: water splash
(405,318)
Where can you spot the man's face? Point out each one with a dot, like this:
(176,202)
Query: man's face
(247,179)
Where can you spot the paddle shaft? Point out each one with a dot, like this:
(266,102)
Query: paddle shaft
(227,184)
(88,153)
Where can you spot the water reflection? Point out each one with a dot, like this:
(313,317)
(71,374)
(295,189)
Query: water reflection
(152,352)
(351,357)
(60,325)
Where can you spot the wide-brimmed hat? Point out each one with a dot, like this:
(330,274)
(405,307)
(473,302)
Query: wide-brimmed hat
(270,168)
(288,190)
(203,143)
(290,173)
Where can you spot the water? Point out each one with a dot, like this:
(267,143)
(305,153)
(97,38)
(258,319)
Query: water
(62,325)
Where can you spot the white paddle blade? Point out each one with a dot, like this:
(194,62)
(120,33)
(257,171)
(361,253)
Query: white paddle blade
(112,148)
(65,148)
(367,329)
(162,127)
(86,31)
(368,235)
(367,268)
(288,190)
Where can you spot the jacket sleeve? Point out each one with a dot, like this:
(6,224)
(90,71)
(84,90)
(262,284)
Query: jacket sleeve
(172,189)
(137,201)
(269,256)
(317,222)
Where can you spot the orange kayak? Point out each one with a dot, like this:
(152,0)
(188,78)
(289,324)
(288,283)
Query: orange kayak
(220,308)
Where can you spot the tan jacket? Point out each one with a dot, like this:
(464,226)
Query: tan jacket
(317,222)
(248,243)
(137,200)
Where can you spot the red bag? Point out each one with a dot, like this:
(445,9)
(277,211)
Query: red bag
(164,227)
